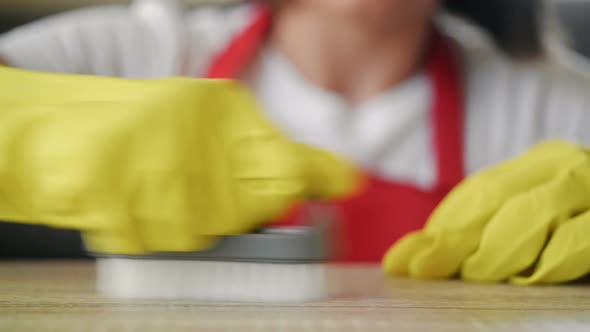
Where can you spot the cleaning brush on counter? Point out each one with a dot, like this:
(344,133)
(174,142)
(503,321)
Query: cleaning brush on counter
(273,265)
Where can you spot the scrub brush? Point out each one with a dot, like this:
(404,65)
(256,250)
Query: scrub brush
(273,265)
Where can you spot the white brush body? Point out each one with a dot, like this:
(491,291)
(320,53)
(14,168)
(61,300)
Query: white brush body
(217,281)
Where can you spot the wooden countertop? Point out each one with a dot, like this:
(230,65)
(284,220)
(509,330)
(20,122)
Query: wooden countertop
(59,296)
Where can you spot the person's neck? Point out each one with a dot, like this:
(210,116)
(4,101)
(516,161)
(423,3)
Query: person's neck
(357,60)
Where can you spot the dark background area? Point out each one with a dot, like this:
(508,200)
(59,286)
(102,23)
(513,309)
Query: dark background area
(513,23)
(576,20)
(9,21)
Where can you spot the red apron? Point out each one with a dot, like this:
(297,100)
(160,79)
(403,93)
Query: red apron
(386,210)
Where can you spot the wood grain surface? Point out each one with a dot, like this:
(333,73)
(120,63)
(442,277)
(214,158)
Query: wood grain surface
(60,296)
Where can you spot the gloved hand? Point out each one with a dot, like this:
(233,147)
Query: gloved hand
(149,165)
(526,221)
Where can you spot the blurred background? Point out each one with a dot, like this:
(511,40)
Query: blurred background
(16,12)
(565,22)
(574,19)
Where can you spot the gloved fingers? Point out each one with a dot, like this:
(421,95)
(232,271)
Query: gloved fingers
(398,258)
(253,170)
(266,178)
(168,233)
(430,255)
(456,226)
(271,173)
(446,253)
(121,239)
(327,175)
(163,212)
(515,236)
(476,199)
(459,220)
(157,218)
(567,255)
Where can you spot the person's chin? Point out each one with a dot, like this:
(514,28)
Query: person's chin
(373,10)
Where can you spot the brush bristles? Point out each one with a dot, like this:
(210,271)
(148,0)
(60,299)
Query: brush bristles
(211,280)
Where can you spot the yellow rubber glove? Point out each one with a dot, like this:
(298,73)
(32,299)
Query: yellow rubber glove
(149,165)
(526,221)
